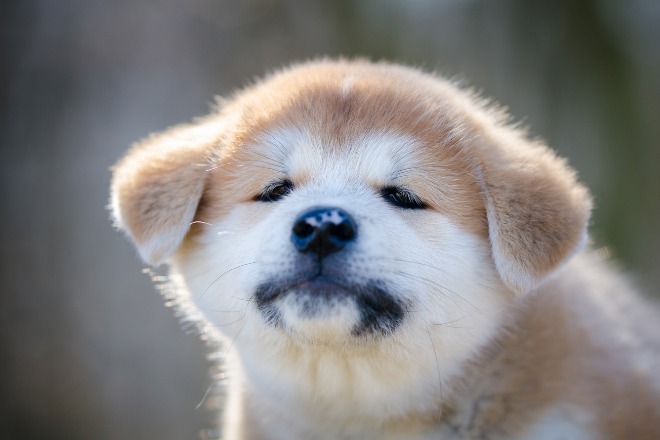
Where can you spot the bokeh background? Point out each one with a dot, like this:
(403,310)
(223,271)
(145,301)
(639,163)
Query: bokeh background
(87,348)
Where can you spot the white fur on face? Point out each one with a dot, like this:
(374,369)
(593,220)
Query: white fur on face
(447,284)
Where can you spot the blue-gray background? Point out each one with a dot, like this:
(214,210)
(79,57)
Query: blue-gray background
(87,349)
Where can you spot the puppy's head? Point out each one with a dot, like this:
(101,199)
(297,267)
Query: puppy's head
(348,207)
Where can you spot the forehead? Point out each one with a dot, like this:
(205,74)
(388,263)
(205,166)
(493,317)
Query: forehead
(375,156)
(373,126)
(373,118)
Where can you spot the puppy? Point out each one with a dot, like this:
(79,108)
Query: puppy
(387,258)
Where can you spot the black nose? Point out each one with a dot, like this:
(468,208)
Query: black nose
(323,231)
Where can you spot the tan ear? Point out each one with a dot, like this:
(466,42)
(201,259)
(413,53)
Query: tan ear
(157,186)
(537,212)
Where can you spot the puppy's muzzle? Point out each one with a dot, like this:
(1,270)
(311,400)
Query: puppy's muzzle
(323,231)
(321,290)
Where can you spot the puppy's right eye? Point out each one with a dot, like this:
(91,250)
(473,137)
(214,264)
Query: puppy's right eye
(402,198)
(275,191)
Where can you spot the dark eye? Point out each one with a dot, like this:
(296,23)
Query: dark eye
(402,198)
(275,191)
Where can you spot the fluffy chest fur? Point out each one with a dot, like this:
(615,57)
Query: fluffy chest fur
(386,258)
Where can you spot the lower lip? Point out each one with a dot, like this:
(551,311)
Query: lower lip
(319,285)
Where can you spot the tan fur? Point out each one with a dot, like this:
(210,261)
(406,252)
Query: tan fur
(157,187)
(556,348)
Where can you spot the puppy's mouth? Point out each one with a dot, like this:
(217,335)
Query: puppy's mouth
(360,309)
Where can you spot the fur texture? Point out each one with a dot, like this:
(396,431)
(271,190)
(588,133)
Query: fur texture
(463,306)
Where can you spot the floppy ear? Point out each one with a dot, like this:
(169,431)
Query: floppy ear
(537,212)
(157,186)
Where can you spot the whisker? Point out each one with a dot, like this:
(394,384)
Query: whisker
(235,338)
(418,263)
(453,326)
(400,158)
(438,268)
(204,266)
(199,222)
(272,159)
(437,366)
(206,394)
(230,323)
(435,283)
(451,322)
(273,142)
(223,274)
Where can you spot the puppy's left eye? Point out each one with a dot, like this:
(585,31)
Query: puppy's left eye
(402,198)
(275,191)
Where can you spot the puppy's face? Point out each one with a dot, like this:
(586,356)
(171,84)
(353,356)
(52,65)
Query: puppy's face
(324,241)
(352,223)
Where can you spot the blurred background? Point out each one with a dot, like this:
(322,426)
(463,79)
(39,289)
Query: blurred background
(87,349)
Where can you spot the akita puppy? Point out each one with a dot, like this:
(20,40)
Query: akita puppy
(387,257)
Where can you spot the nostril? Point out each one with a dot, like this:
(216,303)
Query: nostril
(303,229)
(344,231)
